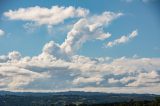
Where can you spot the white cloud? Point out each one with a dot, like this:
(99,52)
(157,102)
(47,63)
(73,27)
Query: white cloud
(123,39)
(14,55)
(57,68)
(2,33)
(53,48)
(42,15)
(151,78)
(88,29)
(31,73)
(104,36)
(13,77)
(93,79)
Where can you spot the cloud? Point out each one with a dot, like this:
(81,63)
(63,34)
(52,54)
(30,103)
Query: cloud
(78,72)
(58,68)
(93,79)
(123,39)
(85,29)
(124,80)
(14,55)
(104,36)
(146,79)
(46,16)
(45,72)
(13,77)
(2,33)
(52,48)
(88,29)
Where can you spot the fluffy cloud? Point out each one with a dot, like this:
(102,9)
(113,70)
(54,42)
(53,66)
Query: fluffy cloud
(85,29)
(42,15)
(14,55)
(54,49)
(143,79)
(2,33)
(13,77)
(123,39)
(53,68)
(88,29)
(151,78)
(31,73)
(58,68)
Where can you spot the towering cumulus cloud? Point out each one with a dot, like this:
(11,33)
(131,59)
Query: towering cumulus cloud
(58,68)
(88,29)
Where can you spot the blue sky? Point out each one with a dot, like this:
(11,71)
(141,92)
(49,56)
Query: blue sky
(81,45)
(139,15)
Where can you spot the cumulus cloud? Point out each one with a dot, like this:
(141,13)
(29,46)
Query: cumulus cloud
(53,68)
(13,77)
(88,29)
(151,78)
(54,49)
(12,56)
(58,68)
(15,55)
(2,33)
(48,16)
(122,39)
(31,73)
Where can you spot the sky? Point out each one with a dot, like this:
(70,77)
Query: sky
(80,45)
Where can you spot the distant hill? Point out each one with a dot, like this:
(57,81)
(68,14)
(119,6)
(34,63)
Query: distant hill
(60,98)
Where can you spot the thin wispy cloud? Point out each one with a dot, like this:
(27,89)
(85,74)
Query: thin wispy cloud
(122,39)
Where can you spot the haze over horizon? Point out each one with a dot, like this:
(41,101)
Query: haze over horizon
(80,45)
